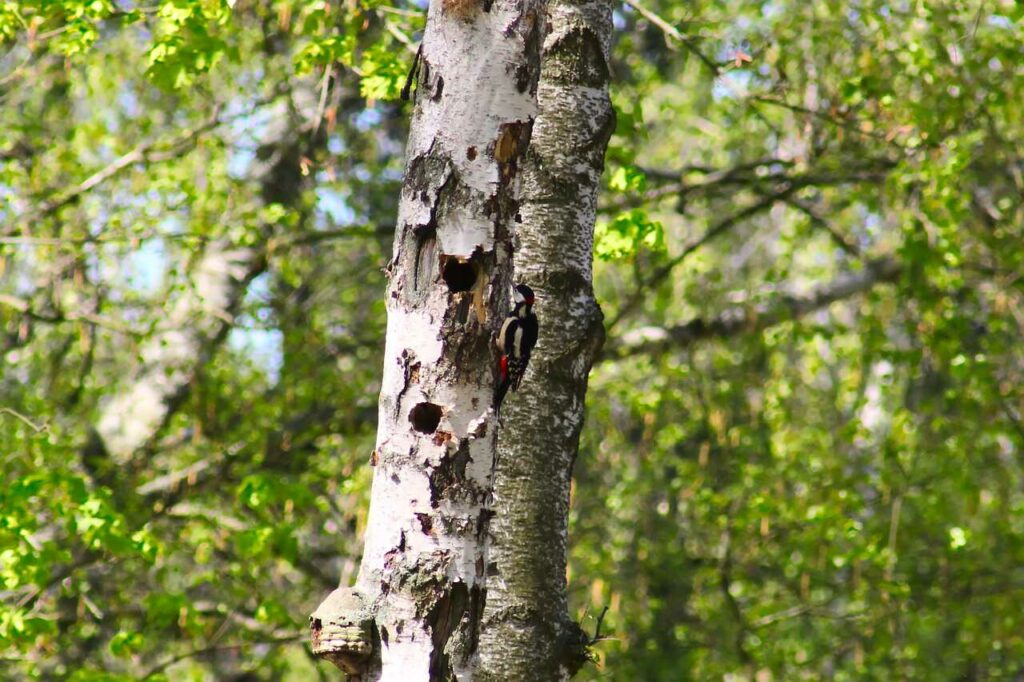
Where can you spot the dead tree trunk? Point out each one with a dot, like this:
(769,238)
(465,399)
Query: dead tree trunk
(415,609)
(527,631)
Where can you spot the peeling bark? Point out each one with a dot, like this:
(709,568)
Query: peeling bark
(425,555)
(203,314)
(527,631)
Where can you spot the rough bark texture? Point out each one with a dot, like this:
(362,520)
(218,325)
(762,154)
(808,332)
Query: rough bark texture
(421,584)
(527,632)
(204,312)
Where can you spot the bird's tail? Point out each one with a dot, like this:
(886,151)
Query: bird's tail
(499,392)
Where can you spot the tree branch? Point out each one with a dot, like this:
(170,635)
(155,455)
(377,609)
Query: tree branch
(25,308)
(746,174)
(672,32)
(274,641)
(716,230)
(847,246)
(655,340)
(146,152)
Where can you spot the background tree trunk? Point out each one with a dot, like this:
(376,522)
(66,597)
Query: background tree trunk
(527,631)
(203,314)
(419,596)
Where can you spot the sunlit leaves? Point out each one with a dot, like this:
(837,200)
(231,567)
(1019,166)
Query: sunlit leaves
(626,234)
(130,567)
(860,458)
(628,179)
(383,74)
(72,25)
(188,41)
(324,50)
(835,496)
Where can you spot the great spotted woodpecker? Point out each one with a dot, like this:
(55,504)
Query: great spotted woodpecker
(516,340)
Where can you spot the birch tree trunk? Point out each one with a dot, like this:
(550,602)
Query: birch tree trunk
(200,318)
(415,609)
(527,631)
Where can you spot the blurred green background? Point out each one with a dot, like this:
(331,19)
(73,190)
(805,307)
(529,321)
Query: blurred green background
(782,476)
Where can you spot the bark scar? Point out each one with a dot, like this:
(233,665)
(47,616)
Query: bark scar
(411,375)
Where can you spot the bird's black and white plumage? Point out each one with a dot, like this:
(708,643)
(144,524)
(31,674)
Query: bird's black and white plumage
(516,340)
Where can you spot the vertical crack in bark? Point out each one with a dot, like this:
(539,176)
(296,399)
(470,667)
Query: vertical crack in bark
(448,479)
(443,620)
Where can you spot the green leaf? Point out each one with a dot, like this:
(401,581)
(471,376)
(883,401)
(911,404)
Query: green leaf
(627,234)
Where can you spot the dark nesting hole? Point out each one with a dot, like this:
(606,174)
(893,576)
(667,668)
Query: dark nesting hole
(425,417)
(459,274)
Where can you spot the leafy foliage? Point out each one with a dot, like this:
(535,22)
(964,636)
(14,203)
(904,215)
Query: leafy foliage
(837,495)
(121,160)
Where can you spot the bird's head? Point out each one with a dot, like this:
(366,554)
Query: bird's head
(524,294)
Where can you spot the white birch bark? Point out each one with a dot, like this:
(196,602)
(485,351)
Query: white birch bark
(184,339)
(203,313)
(415,609)
(527,631)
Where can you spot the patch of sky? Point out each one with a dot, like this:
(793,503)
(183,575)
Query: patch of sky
(731,85)
(7,198)
(143,269)
(871,229)
(247,131)
(129,102)
(999,21)
(770,10)
(368,118)
(262,346)
(332,204)
(250,336)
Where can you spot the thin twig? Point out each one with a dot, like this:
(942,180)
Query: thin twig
(671,31)
(874,171)
(344,232)
(847,246)
(154,151)
(23,307)
(785,614)
(321,108)
(28,422)
(755,318)
(160,667)
(597,628)
(143,152)
(716,230)
(853,126)
(401,36)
